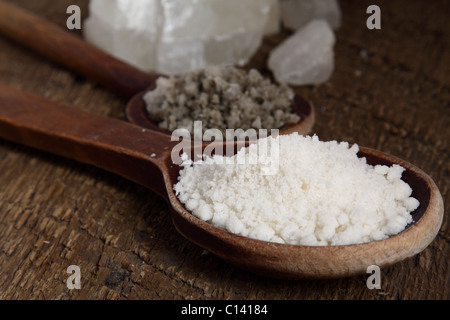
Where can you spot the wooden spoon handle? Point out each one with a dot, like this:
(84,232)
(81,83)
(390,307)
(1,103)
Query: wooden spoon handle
(128,150)
(71,51)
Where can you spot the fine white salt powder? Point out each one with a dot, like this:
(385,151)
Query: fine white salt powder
(321,194)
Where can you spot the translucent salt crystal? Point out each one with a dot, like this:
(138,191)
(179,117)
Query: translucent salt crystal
(273,20)
(126,29)
(177,36)
(306,57)
(297,13)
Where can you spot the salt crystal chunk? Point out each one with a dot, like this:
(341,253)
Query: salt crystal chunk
(273,20)
(306,57)
(395,172)
(297,13)
(411,204)
(177,36)
(381,169)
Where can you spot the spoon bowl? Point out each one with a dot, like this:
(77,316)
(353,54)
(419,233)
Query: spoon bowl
(72,52)
(145,157)
(298,262)
(136,112)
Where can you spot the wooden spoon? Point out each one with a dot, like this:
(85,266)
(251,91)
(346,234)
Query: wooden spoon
(72,52)
(144,156)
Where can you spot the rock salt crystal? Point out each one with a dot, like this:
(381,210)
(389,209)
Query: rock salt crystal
(306,57)
(176,36)
(297,13)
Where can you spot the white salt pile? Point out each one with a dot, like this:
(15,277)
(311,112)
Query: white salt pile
(172,37)
(322,194)
(306,57)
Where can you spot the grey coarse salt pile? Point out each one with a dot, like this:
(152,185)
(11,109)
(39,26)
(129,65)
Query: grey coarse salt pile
(222,97)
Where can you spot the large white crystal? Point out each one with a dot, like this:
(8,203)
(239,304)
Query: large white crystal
(306,57)
(297,13)
(176,36)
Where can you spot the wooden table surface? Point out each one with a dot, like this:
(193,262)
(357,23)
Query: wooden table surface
(390,90)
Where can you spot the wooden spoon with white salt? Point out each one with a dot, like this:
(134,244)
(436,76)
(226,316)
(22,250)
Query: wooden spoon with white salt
(144,156)
(72,52)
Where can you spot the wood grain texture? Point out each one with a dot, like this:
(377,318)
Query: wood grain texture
(390,91)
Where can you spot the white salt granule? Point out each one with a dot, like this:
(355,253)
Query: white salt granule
(321,194)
